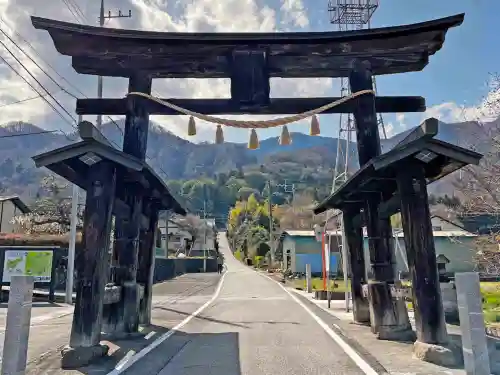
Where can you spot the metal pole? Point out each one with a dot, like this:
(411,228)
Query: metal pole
(166,234)
(204,234)
(327,266)
(72,245)
(70,269)
(271,227)
(99,78)
(344,265)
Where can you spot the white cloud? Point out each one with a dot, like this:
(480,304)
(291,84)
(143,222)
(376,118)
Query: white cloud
(159,15)
(488,109)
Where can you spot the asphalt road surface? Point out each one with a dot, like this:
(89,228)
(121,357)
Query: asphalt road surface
(253,326)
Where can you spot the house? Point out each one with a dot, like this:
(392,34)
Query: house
(10,206)
(174,237)
(454,249)
(205,243)
(300,247)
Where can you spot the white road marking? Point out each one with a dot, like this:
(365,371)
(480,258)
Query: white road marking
(121,367)
(125,359)
(360,362)
(149,335)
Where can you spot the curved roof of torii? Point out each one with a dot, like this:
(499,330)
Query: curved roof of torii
(120,52)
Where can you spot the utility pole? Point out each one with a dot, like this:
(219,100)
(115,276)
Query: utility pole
(204,228)
(70,268)
(102,18)
(271,227)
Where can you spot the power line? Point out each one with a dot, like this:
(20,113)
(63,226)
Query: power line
(71,9)
(53,80)
(51,67)
(41,95)
(78,10)
(41,58)
(36,64)
(23,100)
(36,80)
(26,134)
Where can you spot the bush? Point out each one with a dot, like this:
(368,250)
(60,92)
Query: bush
(237,255)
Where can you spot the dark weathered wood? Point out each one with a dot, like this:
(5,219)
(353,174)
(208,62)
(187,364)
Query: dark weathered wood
(421,254)
(365,115)
(378,243)
(383,104)
(146,266)
(354,240)
(126,249)
(279,66)
(135,139)
(250,77)
(91,266)
(114,52)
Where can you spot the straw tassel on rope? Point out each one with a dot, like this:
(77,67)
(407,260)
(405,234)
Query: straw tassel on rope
(219,135)
(191,126)
(314,126)
(253,142)
(285,138)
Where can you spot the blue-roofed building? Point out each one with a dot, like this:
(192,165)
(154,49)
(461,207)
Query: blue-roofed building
(300,247)
(455,248)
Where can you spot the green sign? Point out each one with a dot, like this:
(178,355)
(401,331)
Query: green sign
(28,263)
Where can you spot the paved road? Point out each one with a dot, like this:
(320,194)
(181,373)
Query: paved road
(253,327)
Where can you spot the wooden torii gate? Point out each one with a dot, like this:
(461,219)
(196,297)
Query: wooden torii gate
(250,60)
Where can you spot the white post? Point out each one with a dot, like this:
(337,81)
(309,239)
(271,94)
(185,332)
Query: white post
(345,255)
(327,268)
(17,328)
(72,245)
(470,310)
(308,278)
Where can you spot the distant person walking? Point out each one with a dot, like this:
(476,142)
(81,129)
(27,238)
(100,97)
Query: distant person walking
(220,262)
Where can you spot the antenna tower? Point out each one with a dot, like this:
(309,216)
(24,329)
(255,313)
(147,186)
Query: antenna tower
(348,15)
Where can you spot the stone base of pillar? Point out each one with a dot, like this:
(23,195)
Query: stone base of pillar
(448,355)
(73,358)
(388,316)
(361,311)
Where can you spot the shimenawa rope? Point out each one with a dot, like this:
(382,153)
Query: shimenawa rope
(254,124)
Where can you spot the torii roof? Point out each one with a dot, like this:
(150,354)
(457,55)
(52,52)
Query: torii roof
(119,52)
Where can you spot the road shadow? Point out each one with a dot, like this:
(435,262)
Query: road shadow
(200,316)
(4,305)
(243,324)
(202,353)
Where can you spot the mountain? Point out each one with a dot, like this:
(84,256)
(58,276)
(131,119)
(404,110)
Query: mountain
(306,159)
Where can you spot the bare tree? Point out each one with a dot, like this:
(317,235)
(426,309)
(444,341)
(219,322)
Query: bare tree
(480,185)
(50,214)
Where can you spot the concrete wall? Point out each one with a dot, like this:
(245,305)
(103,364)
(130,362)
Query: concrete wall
(166,269)
(459,250)
(7,212)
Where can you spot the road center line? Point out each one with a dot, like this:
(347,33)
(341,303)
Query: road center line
(124,365)
(360,362)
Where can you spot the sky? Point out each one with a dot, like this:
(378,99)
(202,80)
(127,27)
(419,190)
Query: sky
(455,83)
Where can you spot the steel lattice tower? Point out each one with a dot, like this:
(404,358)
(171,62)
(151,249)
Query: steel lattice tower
(348,15)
